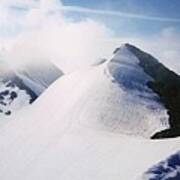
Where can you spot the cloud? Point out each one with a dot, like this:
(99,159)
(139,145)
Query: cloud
(49,5)
(19,3)
(46,34)
(69,45)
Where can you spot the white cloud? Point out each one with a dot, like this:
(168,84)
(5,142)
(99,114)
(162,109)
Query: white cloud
(19,3)
(70,45)
(48,5)
(47,34)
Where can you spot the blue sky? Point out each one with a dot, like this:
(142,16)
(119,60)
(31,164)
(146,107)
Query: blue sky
(156,13)
(152,8)
(162,8)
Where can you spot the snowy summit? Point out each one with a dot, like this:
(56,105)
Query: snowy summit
(79,128)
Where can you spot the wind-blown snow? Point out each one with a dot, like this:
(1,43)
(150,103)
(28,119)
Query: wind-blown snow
(74,131)
(39,76)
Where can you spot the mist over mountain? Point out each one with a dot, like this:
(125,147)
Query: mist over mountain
(21,87)
(40,75)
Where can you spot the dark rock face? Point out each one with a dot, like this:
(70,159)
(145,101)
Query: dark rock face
(8,113)
(166,84)
(10,89)
(18,82)
(4,93)
(13,95)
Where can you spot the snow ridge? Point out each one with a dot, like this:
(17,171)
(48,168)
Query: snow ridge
(79,128)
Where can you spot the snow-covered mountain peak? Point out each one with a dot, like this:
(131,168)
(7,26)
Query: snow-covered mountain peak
(112,96)
(74,129)
(125,68)
(139,72)
(123,54)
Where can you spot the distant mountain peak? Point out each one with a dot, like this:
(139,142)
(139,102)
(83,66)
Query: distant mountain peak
(21,87)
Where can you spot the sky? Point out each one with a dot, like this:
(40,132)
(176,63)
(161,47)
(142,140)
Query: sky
(76,33)
(163,13)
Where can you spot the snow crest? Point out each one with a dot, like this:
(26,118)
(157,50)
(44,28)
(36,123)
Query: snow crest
(75,130)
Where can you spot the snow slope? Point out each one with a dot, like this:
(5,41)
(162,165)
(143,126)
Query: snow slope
(113,96)
(75,129)
(169,169)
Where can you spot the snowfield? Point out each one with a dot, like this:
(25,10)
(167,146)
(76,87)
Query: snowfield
(168,169)
(79,128)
